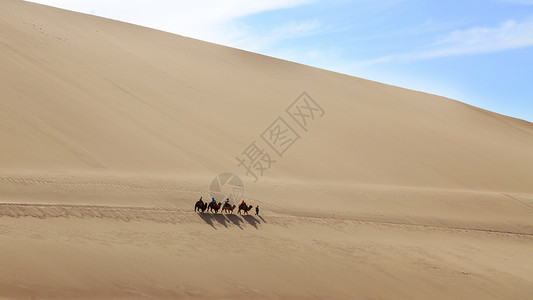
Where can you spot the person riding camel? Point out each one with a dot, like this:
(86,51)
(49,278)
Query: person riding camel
(227,202)
(213,200)
(201,201)
(243,203)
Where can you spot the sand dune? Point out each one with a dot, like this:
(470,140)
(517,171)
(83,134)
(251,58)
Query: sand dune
(112,131)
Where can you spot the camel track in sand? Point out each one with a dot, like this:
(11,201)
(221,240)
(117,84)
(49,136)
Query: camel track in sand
(178,215)
(175,215)
(97,184)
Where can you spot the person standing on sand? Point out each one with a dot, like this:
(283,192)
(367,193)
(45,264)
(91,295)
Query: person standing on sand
(257,210)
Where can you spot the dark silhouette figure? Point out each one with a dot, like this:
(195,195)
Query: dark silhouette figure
(244,208)
(200,206)
(228,208)
(214,206)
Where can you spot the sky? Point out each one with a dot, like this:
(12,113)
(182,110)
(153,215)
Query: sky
(476,51)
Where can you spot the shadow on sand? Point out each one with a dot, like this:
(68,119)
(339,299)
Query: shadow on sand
(261,219)
(252,220)
(235,220)
(211,218)
(225,219)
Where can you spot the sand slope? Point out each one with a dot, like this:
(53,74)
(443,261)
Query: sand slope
(98,95)
(111,131)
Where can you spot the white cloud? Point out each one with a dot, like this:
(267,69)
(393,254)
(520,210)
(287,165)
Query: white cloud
(508,35)
(210,20)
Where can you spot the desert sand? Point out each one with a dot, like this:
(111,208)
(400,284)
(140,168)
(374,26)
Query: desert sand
(111,132)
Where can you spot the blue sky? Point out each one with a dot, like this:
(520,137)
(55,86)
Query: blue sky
(475,51)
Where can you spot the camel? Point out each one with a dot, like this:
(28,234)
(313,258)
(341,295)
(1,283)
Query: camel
(200,206)
(214,206)
(244,208)
(228,208)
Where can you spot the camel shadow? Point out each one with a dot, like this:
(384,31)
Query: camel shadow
(235,220)
(251,220)
(209,218)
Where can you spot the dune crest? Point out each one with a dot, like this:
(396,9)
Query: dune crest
(111,132)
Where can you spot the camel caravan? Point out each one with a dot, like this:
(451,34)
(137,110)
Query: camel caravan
(213,206)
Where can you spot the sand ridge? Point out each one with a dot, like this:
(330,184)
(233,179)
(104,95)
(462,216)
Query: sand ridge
(111,132)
